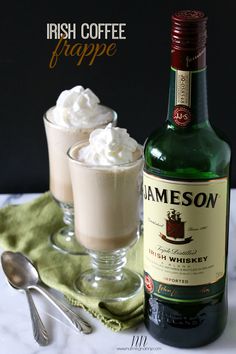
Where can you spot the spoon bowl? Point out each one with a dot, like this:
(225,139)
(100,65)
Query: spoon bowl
(19,270)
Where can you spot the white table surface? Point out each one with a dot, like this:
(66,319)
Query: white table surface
(15,324)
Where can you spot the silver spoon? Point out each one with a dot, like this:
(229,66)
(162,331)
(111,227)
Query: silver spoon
(39,331)
(21,273)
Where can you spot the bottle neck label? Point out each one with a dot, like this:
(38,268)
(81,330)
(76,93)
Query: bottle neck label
(182,112)
(187,97)
(183,88)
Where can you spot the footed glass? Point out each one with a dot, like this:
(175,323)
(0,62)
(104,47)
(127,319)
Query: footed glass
(59,139)
(107,225)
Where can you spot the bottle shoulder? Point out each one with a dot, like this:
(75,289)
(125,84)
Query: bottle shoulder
(187,153)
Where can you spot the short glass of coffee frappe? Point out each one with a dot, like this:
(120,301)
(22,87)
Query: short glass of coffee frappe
(106,182)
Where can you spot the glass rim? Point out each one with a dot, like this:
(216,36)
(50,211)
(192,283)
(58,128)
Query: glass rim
(85,164)
(114,119)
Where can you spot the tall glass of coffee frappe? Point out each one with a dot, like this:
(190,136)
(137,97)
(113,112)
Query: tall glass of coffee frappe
(77,113)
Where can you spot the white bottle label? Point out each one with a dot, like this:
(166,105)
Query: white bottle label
(184,237)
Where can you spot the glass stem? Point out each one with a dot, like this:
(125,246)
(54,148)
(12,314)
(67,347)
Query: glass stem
(68,218)
(108,264)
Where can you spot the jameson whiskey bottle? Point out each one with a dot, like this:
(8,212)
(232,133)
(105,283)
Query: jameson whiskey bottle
(186,196)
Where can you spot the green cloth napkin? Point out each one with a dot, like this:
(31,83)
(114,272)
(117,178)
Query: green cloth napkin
(26,228)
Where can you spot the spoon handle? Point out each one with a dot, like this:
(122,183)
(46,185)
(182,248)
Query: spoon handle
(71,316)
(40,332)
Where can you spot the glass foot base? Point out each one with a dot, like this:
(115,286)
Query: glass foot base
(65,242)
(110,287)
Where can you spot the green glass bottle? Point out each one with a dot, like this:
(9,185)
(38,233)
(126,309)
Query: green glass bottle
(186,203)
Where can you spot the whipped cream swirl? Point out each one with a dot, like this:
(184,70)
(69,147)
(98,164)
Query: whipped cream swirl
(108,146)
(80,108)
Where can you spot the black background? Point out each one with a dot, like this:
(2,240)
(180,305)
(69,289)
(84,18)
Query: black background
(134,82)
